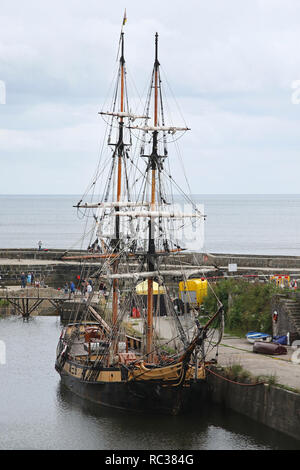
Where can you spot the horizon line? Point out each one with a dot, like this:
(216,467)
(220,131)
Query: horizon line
(175,194)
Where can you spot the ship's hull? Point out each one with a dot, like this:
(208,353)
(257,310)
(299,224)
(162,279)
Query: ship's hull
(138,396)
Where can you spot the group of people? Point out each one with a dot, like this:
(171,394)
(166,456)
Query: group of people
(70,288)
(86,287)
(28,280)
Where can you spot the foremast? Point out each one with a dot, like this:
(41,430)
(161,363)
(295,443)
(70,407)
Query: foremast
(119,153)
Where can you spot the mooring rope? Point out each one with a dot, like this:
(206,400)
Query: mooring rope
(232,381)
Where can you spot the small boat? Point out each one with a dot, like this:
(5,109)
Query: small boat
(280,339)
(269,348)
(253,336)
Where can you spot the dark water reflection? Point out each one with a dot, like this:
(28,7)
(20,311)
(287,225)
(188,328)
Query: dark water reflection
(36,412)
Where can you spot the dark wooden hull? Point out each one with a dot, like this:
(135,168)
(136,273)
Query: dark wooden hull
(138,396)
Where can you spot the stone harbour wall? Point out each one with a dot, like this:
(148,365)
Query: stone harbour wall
(52,275)
(267,404)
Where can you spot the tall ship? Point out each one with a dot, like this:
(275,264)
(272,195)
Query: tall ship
(128,344)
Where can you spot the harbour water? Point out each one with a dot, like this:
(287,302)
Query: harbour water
(37,413)
(255,224)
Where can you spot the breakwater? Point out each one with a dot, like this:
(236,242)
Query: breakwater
(244,262)
(49,265)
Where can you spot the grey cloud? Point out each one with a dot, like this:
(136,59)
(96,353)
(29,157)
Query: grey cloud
(230,65)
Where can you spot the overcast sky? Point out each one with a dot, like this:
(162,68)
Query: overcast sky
(231,65)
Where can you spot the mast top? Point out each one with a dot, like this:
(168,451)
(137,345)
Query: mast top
(122,60)
(156,63)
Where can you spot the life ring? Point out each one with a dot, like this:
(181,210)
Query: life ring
(275,316)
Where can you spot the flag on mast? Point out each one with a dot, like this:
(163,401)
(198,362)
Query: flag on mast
(123,23)
(125,17)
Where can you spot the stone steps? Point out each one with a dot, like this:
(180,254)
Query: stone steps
(293,310)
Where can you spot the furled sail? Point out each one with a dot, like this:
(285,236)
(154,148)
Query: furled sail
(169,130)
(169,215)
(151,274)
(123,114)
(105,205)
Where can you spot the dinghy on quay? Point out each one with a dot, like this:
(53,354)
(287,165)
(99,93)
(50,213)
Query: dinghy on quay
(253,336)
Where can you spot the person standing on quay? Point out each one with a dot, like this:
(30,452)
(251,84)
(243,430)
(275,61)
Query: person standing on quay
(40,245)
(72,288)
(29,278)
(23,280)
(89,289)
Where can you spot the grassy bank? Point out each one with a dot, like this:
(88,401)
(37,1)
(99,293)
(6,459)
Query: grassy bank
(237,373)
(246,305)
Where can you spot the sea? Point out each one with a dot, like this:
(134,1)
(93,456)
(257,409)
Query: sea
(243,224)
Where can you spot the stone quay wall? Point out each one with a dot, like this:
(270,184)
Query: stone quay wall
(55,272)
(267,404)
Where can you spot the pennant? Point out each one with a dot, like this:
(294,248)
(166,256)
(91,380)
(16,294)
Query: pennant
(125,18)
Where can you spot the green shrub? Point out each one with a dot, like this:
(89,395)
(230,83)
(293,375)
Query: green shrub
(246,305)
(237,373)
